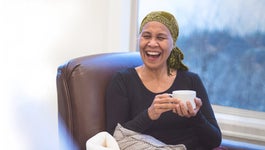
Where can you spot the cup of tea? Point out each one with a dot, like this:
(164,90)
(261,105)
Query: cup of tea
(184,96)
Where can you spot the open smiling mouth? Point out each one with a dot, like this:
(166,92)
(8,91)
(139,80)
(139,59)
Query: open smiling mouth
(153,54)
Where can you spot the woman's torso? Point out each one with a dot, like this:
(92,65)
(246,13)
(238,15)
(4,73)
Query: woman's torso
(169,128)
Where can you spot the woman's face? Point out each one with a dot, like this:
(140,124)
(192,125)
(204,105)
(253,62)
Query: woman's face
(155,43)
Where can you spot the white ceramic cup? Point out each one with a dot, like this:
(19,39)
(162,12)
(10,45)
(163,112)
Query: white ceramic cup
(184,96)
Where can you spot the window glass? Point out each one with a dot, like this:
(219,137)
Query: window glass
(224,42)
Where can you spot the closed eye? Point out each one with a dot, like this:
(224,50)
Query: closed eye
(146,36)
(161,38)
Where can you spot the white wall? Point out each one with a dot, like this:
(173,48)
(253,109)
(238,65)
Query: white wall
(36,36)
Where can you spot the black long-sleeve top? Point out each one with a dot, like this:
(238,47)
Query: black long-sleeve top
(127,101)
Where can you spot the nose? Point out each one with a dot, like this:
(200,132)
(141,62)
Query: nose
(152,42)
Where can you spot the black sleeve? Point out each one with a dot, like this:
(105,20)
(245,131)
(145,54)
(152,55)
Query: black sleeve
(207,127)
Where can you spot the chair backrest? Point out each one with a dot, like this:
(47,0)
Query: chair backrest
(81,85)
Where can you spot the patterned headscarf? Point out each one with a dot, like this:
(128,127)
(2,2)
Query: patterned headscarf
(175,58)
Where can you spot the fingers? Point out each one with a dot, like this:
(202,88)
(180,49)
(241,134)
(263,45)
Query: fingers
(164,102)
(198,102)
(188,111)
(161,103)
(183,111)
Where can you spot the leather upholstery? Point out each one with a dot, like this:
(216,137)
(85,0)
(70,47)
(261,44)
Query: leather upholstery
(81,85)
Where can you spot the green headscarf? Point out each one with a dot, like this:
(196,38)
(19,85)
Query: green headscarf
(175,58)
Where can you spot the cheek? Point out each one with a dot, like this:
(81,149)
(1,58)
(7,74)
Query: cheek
(170,47)
(167,46)
(142,43)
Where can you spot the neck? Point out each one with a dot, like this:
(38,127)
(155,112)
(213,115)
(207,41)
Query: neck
(156,80)
(158,74)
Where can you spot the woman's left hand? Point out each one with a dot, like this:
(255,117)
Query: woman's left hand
(182,111)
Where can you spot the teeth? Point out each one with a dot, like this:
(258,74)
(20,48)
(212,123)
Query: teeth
(153,53)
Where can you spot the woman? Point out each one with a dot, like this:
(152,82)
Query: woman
(138,98)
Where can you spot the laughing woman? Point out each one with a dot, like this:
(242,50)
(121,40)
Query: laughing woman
(138,98)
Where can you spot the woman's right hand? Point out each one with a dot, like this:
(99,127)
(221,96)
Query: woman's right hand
(161,103)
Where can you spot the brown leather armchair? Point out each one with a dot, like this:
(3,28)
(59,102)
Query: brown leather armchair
(81,85)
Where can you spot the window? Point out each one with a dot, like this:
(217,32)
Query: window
(224,42)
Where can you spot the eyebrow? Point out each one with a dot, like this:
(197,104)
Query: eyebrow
(159,34)
(162,34)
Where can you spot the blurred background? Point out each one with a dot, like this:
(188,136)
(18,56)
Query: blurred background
(36,36)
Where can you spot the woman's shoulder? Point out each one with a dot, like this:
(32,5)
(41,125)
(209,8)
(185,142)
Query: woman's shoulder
(187,73)
(125,73)
(189,78)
